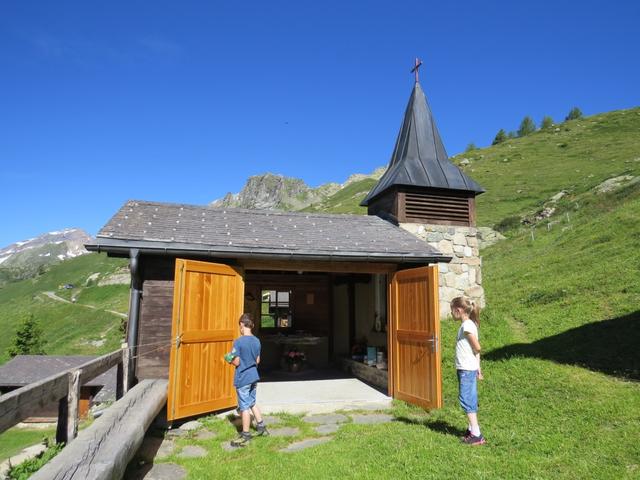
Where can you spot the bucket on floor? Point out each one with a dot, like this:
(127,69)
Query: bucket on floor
(371,355)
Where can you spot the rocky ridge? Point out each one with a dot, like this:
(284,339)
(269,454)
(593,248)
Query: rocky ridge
(276,192)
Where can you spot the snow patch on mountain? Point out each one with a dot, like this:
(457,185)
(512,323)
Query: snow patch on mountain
(25,257)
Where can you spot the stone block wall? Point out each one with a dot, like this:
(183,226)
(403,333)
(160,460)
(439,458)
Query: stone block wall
(463,275)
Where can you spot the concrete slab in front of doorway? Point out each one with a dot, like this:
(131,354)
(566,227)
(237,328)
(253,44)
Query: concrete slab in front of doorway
(320,396)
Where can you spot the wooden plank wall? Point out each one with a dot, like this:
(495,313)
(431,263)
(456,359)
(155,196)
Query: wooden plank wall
(154,329)
(435,206)
(442,208)
(385,205)
(311,308)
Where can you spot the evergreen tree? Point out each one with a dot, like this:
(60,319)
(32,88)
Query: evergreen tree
(501,136)
(471,146)
(547,122)
(28,339)
(526,126)
(574,114)
(511,134)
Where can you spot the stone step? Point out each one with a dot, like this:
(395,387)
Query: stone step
(304,444)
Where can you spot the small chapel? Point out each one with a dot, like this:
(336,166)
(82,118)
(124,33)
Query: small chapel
(335,287)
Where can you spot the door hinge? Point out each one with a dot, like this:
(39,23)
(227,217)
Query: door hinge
(434,343)
(178,341)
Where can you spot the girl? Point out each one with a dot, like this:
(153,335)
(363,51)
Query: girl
(468,364)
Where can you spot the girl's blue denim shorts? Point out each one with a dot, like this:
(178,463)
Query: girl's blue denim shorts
(246,396)
(468,390)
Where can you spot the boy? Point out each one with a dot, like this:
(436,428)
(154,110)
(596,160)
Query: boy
(245,356)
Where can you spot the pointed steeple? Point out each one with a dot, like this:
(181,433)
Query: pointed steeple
(419,158)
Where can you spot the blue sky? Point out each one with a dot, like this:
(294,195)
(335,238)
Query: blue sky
(101,102)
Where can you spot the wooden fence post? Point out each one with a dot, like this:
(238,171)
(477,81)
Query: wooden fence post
(126,358)
(73,399)
(61,427)
(120,378)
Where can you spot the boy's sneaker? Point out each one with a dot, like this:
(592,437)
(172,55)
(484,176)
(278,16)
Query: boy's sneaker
(241,441)
(466,435)
(261,429)
(473,440)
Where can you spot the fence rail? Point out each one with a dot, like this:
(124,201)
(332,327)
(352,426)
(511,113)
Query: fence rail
(64,388)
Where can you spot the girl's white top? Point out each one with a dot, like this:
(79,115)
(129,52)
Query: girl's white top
(465,358)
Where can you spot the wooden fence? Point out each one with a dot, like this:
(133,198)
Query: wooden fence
(63,388)
(103,450)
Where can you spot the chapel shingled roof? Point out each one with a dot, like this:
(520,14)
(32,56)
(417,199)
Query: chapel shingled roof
(165,227)
(25,369)
(419,158)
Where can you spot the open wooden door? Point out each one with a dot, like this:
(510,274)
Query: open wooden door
(414,337)
(207,303)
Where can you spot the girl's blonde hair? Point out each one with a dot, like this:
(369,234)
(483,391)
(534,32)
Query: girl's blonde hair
(468,306)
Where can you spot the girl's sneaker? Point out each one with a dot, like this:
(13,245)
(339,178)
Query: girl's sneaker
(473,440)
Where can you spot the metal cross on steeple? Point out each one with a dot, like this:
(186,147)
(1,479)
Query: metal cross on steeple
(416,67)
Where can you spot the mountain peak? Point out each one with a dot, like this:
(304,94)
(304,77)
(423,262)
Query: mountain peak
(24,258)
(270,191)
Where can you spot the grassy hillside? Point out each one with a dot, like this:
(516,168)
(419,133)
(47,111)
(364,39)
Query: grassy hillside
(583,269)
(521,174)
(346,200)
(69,328)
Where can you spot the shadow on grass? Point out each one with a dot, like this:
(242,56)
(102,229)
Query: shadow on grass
(439,426)
(609,346)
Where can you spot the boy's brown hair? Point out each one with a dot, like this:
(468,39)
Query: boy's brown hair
(246,320)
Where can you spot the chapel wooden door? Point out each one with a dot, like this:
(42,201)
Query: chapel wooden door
(414,337)
(207,303)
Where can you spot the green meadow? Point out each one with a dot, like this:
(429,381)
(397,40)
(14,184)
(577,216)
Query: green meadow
(14,440)
(67,328)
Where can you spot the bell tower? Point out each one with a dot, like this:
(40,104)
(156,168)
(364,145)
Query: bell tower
(426,194)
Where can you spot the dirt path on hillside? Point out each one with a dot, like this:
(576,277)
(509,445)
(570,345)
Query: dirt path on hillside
(55,297)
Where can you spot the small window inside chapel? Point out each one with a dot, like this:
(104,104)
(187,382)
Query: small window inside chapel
(275,309)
